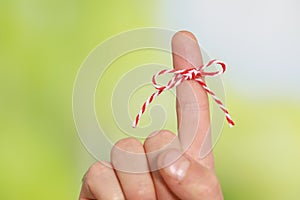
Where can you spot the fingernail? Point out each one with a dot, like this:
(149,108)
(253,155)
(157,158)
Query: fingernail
(175,164)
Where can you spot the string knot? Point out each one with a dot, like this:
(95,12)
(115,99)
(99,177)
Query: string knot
(191,74)
(181,75)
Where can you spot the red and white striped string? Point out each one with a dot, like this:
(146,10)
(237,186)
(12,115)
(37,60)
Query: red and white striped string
(183,75)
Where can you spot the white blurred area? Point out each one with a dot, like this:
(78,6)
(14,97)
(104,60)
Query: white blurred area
(258,39)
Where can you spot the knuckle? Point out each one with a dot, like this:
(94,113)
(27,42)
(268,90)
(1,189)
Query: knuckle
(158,136)
(192,106)
(126,146)
(95,170)
(128,142)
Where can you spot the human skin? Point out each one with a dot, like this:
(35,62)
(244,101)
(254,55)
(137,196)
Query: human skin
(189,177)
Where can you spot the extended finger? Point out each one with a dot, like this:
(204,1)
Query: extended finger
(192,101)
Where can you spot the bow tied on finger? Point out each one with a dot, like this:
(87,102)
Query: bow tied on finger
(196,74)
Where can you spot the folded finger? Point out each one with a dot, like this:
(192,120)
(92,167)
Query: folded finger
(130,162)
(100,183)
(155,144)
(188,179)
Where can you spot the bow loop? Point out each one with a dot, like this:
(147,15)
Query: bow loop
(214,73)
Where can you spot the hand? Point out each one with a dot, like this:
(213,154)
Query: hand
(180,176)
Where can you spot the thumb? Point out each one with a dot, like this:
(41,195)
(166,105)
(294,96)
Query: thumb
(187,178)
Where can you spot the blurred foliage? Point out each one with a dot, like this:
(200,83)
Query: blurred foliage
(259,157)
(43,43)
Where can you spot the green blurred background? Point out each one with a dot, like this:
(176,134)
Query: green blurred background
(42,45)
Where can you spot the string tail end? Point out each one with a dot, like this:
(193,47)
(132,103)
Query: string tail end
(133,125)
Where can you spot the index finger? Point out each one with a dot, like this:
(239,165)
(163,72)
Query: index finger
(192,102)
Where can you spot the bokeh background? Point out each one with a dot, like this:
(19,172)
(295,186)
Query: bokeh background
(43,43)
